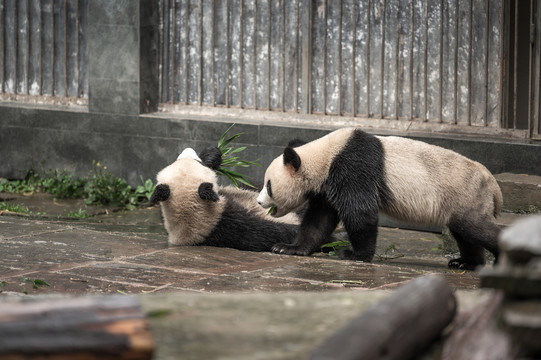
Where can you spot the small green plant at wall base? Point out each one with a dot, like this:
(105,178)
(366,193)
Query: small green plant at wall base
(15,208)
(3,185)
(62,185)
(231,159)
(144,192)
(100,187)
(103,188)
(80,214)
(16,187)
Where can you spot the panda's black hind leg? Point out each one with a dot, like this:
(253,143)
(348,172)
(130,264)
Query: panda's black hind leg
(473,234)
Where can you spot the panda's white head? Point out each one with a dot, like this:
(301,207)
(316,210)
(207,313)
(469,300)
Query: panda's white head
(286,184)
(184,175)
(187,191)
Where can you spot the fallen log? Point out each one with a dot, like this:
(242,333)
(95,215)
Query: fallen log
(400,326)
(111,327)
(475,334)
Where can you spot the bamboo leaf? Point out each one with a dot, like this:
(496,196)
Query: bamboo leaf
(340,243)
(226,142)
(246,182)
(232,179)
(221,140)
(234,173)
(251,163)
(229,161)
(226,151)
(242,148)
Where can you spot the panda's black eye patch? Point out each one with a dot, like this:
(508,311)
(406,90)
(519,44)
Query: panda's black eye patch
(269,188)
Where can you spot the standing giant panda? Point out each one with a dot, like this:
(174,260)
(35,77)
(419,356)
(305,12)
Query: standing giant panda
(349,175)
(197,211)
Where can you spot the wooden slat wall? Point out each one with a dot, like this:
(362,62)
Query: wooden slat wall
(43,47)
(435,61)
(240,53)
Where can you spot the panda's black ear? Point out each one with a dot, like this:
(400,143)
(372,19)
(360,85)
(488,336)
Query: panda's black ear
(161,193)
(207,193)
(211,157)
(292,158)
(296,143)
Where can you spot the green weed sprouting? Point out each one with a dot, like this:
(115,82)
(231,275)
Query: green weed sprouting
(100,187)
(103,188)
(230,159)
(60,184)
(15,208)
(144,192)
(80,214)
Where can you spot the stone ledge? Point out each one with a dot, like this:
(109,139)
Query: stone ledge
(521,192)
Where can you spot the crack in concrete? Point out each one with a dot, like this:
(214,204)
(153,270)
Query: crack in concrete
(33,234)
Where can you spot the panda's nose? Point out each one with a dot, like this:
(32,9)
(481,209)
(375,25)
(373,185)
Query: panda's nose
(260,199)
(262,204)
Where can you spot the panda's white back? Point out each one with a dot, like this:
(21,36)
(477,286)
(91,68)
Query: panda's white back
(429,184)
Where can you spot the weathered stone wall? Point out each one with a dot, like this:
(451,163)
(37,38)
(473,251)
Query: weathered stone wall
(133,145)
(123,83)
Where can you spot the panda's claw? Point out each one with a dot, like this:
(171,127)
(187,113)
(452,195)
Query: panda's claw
(461,264)
(290,249)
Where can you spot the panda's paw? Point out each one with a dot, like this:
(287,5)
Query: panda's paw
(460,264)
(291,249)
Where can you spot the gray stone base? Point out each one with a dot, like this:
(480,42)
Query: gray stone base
(140,145)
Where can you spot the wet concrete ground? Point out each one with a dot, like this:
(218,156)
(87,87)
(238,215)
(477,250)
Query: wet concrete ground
(218,303)
(127,252)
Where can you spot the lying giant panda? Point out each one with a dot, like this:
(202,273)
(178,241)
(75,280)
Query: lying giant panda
(197,211)
(349,175)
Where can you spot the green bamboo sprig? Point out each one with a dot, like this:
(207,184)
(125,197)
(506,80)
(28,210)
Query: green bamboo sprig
(231,159)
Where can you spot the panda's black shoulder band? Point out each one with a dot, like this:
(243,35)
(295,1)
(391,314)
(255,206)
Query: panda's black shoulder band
(161,193)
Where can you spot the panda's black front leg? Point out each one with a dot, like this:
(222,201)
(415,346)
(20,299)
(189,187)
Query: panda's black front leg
(318,223)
